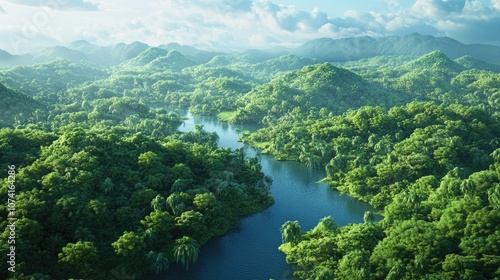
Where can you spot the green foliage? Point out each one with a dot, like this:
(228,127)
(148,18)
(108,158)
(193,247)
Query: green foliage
(310,88)
(82,256)
(106,176)
(431,167)
(17,108)
(186,251)
(121,197)
(291,232)
(128,244)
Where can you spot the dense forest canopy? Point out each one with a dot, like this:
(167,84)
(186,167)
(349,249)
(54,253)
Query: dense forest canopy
(106,176)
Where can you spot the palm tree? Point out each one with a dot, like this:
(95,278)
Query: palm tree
(240,154)
(181,185)
(291,232)
(150,236)
(223,190)
(158,261)
(175,203)
(368,217)
(158,203)
(186,251)
(495,155)
(468,187)
(108,186)
(494,195)
(331,169)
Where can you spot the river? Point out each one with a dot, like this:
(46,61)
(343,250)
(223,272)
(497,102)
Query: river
(250,251)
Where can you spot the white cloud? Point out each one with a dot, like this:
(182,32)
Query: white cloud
(241,24)
(82,5)
(438,8)
(2,11)
(496,4)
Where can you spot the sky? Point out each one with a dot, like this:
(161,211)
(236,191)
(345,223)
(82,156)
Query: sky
(232,25)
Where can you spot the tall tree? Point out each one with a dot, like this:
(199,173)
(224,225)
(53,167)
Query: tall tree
(158,203)
(291,232)
(186,250)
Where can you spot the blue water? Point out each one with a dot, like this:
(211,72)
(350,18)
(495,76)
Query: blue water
(250,251)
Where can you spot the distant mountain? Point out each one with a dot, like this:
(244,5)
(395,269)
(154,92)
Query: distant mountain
(10,60)
(147,56)
(194,54)
(257,56)
(122,52)
(49,81)
(59,52)
(271,68)
(285,63)
(5,55)
(310,88)
(261,65)
(108,55)
(160,58)
(435,60)
(324,49)
(347,49)
(94,53)
(173,60)
(470,62)
(251,56)
(84,46)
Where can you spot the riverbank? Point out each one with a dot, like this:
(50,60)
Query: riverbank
(250,250)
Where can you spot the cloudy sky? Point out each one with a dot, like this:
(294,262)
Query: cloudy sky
(239,24)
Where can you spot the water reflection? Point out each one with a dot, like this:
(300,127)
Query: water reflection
(249,251)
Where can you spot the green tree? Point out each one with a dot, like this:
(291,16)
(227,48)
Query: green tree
(186,251)
(128,244)
(326,225)
(176,204)
(291,232)
(157,261)
(158,203)
(81,255)
(355,265)
(368,217)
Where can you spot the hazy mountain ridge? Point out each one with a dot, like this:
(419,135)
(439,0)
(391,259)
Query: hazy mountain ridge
(10,60)
(159,59)
(325,49)
(347,49)
(191,53)
(60,52)
(470,62)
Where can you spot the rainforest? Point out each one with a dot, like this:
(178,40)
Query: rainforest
(108,187)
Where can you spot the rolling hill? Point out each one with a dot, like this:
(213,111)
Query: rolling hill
(15,104)
(347,49)
(310,88)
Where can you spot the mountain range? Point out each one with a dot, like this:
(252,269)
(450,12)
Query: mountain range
(348,49)
(323,49)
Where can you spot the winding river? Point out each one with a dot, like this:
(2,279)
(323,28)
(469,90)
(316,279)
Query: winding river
(250,251)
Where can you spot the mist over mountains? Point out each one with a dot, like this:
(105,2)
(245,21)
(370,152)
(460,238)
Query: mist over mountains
(323,49)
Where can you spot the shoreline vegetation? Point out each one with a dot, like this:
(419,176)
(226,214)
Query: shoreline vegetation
(225,116)
(106,185)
